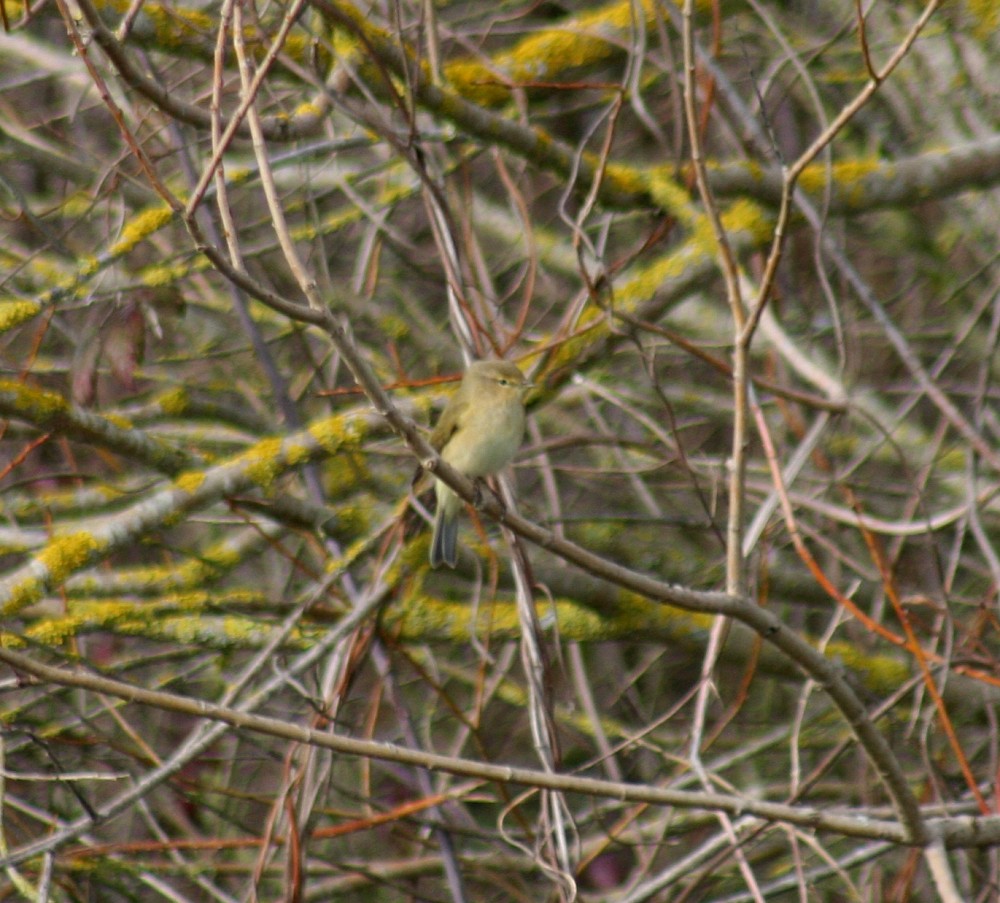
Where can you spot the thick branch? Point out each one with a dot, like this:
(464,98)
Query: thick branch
(960,831)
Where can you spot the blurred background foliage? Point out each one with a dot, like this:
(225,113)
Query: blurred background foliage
(184,468)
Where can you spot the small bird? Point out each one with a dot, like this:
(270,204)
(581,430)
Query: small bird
(478,434)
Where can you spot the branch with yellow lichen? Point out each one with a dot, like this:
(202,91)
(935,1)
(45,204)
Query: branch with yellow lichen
(858,185)
(576,41)
(50,412)
(189,33)
(242,619)
(257,467)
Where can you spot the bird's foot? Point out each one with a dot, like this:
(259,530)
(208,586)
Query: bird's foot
(479,484)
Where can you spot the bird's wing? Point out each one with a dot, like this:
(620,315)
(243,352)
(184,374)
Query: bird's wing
(446,426)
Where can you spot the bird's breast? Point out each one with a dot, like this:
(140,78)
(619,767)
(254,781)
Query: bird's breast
(486,440)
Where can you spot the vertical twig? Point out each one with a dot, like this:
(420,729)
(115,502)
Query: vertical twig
(730,272)
(737,460)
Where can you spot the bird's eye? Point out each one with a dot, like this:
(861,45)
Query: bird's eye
(504,382)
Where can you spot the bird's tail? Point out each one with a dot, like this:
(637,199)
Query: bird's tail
(444,543)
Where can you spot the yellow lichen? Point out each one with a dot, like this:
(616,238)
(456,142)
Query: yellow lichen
(58,501)
(178,616)
(192,601)
(238,174)
(262,462)
(674,199)
(333,433)
(749,218)
(160,275)
(174,403)
(880,673)
(297,453)
(391,193)
(66,554)
(570,348)
(543,55)
(645,282)
(850,171)
(307,110)
(336,221)
(13,313)
(89,266)
(298,47)
(574,42)
(221,556)
(394,327)
(242,630)
(176,26)
(190,481)
(77,205)
(52,632)
(344,471)
(624,177)
(14,547)
(25,593)
(141,227)
(355,520)
(423,618)
(846,176)
(476,82)
(427,617)
(119,420)
(36,404)
(244,597)
(986,14)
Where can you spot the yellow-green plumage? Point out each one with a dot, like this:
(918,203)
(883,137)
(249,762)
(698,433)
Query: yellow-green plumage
(478,434)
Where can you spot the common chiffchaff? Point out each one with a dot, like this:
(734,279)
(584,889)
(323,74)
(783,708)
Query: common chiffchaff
(479,432)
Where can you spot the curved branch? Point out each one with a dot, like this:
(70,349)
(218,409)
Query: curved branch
(858,186)
(766,624)
(951,831)
(276,128)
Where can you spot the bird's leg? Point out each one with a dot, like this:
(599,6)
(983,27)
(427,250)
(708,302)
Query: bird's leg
(479,484)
